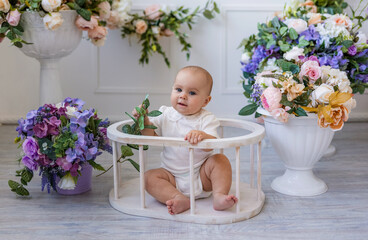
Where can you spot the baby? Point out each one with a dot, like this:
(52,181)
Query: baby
(187,119)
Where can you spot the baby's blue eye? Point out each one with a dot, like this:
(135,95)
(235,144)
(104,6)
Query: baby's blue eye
(192,93)
(179,90)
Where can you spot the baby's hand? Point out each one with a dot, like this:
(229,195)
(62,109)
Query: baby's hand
(135,113)
(195,136)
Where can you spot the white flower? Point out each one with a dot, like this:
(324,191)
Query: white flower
(362,40)
(340,79)
(156,30)
(245,57)
(322,93)
(291,6)
(122,7)
(67,182)
(50,5)
(298,24)
(165,8)
(53,21)
(294,54)
(272,66)
(350,104)
(98,42)
(70,111)
(265,82)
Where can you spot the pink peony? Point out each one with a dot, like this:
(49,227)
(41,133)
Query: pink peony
(104,10)
(311,69)
(271,98)
(280,114)
(13,17)
(85,25)
(97,33)
(153,12)
(141,27)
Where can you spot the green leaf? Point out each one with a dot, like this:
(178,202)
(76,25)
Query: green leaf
(80,2)
(141,122)
(18,188)
(4,29)
(283,30)
(86,14)
(248,110)
(135,165)
(136,146)
(284,47)
(26,175)
(135,120)
(96,165)
(275,22)
(208,14)
(126,151)
(347,43)
(154,113)
(300,112)
(285,101)
(146,102)
(293,34)
(127,129)
(150,126)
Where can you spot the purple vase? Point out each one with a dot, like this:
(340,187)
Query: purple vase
(83,183)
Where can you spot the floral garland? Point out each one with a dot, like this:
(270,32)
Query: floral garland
(96,16)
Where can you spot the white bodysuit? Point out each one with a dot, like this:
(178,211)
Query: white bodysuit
(176,159)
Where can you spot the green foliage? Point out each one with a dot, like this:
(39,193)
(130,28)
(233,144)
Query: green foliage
(248,110)
(25,177)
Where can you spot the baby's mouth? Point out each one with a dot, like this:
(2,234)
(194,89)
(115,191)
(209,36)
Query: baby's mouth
(182,104)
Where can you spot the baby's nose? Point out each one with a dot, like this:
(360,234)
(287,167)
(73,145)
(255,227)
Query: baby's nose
(183,95)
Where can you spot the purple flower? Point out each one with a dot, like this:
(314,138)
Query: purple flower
(53,125)
(352,50)
(74,170)
(362,67)
(310,34)
(70,154)
(30,163)
(30,148)
(20,128)
(63,163)
(40,130)
(43,160)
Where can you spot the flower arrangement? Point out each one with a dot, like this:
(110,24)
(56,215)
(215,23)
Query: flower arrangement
(159,21)
(93,16)
(310,59)
(58,140)
(96,16)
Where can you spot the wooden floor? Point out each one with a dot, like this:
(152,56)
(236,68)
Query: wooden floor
(340,213)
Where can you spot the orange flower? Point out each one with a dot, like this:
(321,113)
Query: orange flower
(309,5)
(315,18)
(338,115)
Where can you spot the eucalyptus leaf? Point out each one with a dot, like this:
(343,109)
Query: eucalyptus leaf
(293,34)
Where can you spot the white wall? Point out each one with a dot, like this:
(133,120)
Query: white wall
(111,80)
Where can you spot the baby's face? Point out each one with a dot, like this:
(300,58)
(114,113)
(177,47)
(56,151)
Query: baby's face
(190,92)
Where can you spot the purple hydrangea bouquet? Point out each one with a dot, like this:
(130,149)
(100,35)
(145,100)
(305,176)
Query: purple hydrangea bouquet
(308,52)
(58,140)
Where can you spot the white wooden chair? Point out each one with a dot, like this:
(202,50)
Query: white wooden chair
(130,196)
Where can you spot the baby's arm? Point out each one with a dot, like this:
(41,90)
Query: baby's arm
(196,136)
(146,131)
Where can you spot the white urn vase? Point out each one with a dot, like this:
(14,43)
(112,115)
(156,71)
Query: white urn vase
(300,143)
(48,47)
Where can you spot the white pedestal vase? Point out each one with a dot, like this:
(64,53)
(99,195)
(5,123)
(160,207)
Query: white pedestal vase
(48,47)
(300,143)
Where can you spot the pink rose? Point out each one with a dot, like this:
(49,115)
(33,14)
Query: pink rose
(85,25)
(104,10)
(167,32)
(311,69)
(140,27)
(280,114)
(13,17)
(97,33)
(153,12)
(271,98)
(114,19)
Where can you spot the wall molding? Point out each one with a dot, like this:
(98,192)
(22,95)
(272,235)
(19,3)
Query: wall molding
(225,10)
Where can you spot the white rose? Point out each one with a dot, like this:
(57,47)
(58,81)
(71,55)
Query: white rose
(70,111)
(350,104)
(325,73)
(98,42)
(322,93)
(298,24)
(50,5)
(4,6)
(245,57)
(156,30)
(53,21)
(294,54)
(272,66)
(67,182)
(362,40)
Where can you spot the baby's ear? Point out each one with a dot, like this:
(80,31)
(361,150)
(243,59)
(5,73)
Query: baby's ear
(208,99)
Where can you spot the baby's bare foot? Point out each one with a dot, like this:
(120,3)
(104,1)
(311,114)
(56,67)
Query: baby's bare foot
(222,202)
(178,204)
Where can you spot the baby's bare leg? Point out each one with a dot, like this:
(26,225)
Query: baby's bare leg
(216,175)
(161,184)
